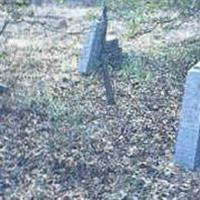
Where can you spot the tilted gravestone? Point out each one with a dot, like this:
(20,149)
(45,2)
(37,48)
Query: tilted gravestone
(91,53)
(97,50)
(187,151)
(98,53)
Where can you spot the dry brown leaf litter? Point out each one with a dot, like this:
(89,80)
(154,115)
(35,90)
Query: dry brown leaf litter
(59,139)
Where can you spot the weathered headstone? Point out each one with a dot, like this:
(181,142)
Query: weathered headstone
(97,50)
(90,57)
(97,54)
(187,151)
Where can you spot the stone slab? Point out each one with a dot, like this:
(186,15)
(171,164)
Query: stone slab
(90,56)
(187,150)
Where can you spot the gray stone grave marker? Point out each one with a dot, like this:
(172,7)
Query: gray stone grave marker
(97,50)
(187,151)
(98,53)
(91,53)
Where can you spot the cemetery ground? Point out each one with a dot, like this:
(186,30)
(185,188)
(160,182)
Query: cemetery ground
(58,137)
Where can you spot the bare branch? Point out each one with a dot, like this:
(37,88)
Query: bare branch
(4,26)
(155,24)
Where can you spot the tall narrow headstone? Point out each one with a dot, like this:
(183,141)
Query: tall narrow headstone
(187,151)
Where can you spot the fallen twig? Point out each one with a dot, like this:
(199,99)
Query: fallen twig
(156,23)
(45,25)
(78,32)
(140,33)
(4,26)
